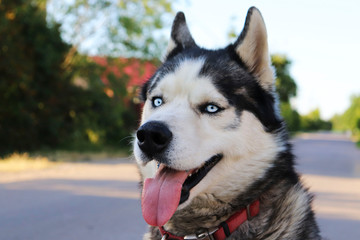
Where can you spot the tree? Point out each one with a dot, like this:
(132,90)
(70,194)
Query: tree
(350,119)
(31,78)
(313,122)
(113,27)
(42,103)
(291,116)
(285,84)
(286,89)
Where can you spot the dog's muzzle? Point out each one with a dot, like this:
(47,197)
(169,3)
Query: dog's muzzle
(153,138)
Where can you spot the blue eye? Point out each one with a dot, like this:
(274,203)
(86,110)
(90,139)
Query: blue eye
(211,108)
(157,101)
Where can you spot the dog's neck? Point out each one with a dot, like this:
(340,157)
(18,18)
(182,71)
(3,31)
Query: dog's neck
(196,218)
(225,229)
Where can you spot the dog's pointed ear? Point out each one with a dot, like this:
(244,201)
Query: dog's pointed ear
(180,35)
(252,47)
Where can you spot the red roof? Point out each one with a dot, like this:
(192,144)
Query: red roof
(137,70)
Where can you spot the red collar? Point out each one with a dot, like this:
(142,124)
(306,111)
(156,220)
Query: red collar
(225,228)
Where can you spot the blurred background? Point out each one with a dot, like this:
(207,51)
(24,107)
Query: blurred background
(70,74)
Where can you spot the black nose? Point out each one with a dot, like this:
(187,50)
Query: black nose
(153,137)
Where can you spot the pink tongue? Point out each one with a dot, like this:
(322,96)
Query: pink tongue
(161,195)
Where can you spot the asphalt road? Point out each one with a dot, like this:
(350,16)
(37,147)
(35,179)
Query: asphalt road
(100,201)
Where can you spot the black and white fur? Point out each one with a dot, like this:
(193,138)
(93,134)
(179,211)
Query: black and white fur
(247,130)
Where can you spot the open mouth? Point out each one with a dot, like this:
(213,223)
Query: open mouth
(196,176)
(162,194)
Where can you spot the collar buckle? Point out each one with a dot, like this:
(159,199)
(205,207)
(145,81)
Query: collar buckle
(208,234)
(248,213)
(164,237)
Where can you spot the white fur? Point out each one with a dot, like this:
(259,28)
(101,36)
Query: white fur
(183,92)
(247,148)
(171,46)
(248,152)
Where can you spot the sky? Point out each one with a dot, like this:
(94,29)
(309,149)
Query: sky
(321,38)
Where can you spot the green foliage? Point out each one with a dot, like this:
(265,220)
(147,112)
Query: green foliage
(286,89)
(350,119)
(313,122)
(95,118)
(285,84)
(291,117)
(113,27)
(31,78)
(51,100)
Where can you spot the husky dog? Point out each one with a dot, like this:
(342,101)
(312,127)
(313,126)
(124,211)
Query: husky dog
(212,148)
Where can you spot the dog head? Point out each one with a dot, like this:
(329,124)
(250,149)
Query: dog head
(210,124)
